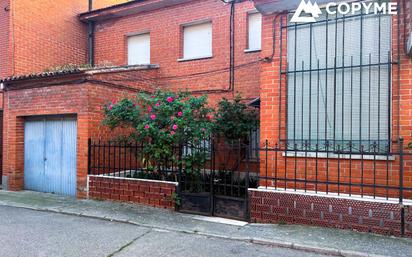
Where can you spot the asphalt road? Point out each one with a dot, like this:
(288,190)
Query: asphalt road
(29,233)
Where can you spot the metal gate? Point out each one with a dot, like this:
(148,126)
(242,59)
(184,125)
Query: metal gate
(220,188)
(50,154)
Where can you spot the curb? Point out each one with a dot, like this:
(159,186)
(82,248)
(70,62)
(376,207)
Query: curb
(257,241)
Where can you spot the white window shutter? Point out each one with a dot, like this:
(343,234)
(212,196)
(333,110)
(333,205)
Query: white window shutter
(197,41)
(138,48)
(255,31)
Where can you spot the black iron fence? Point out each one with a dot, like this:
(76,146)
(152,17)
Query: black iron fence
(127,159)
(214,176)
(342,170)
(217,161)
(228,169)
(218,182)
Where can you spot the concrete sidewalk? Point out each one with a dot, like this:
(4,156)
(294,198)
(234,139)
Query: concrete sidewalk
(319,240)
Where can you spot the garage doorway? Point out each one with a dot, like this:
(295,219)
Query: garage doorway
(50,154)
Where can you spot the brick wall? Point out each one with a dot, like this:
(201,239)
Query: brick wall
(152,193)
(47,34)
(166,47)
(326,211)
(4,38)
(101,94)
(42,35)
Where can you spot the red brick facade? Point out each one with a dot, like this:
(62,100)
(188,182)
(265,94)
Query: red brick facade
(4,36)
(152,193)
(40,35)
(46,34)
(33,49)
(85,99)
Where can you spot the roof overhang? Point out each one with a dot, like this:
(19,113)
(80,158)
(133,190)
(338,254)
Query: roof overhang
(277,6)
(42,75)
(128,8)
(64,77)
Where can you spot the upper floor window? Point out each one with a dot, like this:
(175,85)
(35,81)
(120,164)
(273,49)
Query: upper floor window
(254,31)
(197,41)
(138,49)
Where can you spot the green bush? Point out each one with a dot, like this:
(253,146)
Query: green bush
(235,120)
(162,121)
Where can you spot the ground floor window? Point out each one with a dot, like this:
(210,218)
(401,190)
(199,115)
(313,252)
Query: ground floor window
(339,83)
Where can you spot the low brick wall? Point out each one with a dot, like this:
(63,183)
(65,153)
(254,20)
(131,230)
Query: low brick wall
(408,221)
(148,192)
(381,217)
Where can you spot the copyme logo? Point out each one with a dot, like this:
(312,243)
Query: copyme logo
(309,12)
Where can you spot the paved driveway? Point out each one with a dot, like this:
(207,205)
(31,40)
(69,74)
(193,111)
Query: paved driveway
(31,233)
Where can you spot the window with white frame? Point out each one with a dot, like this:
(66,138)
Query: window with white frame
(254,32)
(197,41)
(138,49)
(339,83)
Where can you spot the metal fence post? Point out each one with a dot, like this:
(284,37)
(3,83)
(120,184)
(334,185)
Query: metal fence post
(400,170)
(212,174)
(401,186)
(179,175)
(266,164)
(89,156)
(247,211)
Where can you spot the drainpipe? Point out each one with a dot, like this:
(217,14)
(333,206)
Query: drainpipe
(90,37)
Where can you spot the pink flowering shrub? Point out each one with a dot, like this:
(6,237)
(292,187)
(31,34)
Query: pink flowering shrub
(162,121)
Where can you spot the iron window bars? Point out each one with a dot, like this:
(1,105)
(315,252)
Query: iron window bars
(337,79)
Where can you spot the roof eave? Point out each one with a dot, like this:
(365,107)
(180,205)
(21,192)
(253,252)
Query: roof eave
(41,81)
(76,74)
(40,76)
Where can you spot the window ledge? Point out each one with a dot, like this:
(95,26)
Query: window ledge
(324,155)
(195,58)
(252,50)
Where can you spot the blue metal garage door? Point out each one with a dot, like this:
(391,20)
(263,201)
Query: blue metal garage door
(50,154)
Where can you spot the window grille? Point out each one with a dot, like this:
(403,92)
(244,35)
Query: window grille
(338,73)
